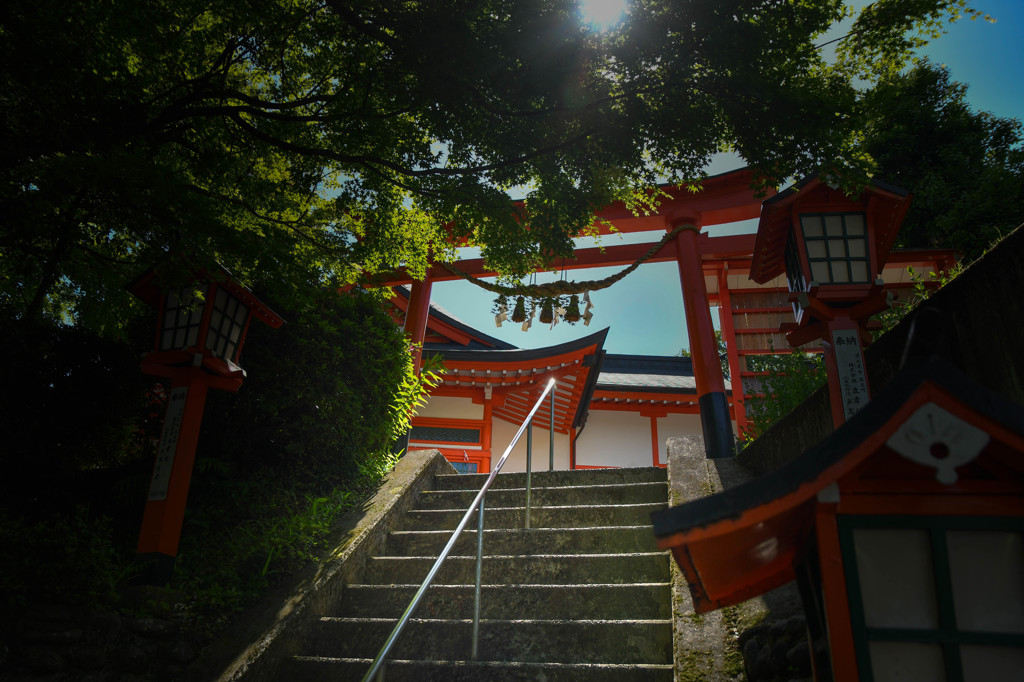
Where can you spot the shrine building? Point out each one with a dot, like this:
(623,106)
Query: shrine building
(607,406)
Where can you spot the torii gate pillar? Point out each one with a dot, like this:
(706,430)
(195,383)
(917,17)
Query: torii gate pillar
(416,318)
(714,405)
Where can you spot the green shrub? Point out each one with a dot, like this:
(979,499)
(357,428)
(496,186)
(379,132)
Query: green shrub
(63,559)
(321,394)
(305,439)
(73,402)
(791,378)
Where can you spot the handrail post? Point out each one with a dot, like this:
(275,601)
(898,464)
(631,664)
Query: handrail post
(479,572)
(529,468)
(376,670)
(551,427)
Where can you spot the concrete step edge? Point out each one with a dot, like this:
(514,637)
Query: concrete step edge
(640,473)
(487,531)
(529,556)
(595,486)
(534,507)
(377,586)
(490,664)
(503,621)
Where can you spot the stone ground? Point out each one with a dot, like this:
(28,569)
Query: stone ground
(761,640)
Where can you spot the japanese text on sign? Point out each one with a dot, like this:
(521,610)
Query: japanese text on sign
(168,444)
(853,384)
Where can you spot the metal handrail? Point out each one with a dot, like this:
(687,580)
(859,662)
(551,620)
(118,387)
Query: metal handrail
(377,667)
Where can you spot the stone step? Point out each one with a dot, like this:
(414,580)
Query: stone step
(620,493)
(552,478)
(599,540)
(538,641)
(649,601)
(540,517)
(317,669)
(548,569)
(583,595)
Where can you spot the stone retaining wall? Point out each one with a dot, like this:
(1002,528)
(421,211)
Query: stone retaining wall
(55,643)
(981,332)
(50,643)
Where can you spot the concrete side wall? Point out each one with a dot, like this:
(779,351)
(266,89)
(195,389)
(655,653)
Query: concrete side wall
(983,328)
(706,646)
(273,629)
(676,426)
(613,438)
(617,438)
(502,433)
(447,407)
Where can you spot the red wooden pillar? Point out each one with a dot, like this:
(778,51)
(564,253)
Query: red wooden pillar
(848,388)
(172,472)
(714,406)
(485,435)
(416,318)
(572,449)
(729,336)
(654,441)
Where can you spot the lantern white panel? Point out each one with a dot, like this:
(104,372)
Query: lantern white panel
(896,578)
(987,568)
(819,272)
(988,663)
(833,226)
(812,226)
(904,661)
(854,224)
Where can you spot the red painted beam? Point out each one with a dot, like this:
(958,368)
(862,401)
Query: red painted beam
(737,249)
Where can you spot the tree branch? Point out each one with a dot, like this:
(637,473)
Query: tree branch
(291,225)
(372,163)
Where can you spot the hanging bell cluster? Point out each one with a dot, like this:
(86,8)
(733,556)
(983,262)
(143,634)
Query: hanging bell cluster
(550,310)
(547,311)
(519,314)
(587,315)
(529,321)
(572,311)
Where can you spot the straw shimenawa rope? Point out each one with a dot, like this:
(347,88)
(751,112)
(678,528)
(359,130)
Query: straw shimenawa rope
(561,287)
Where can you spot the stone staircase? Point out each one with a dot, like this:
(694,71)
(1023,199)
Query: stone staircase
(583,595)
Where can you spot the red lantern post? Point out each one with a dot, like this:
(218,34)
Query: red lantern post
(832,249)
(198,342)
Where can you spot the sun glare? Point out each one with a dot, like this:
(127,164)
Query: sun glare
(601,15)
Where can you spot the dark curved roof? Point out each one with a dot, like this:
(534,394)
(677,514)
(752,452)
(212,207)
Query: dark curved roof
(649,373)
(519,373)
(480,341)
(513,354)
(777,510)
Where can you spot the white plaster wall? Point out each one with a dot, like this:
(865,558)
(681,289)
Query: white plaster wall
(451,408)
(502,433)
(673,426)
(615,438)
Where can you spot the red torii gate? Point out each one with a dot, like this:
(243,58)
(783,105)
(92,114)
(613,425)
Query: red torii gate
(724,198)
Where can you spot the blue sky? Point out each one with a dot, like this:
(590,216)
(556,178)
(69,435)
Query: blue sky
(645,310)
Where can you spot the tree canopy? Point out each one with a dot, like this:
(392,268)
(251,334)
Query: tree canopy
(312,142)
(964,168)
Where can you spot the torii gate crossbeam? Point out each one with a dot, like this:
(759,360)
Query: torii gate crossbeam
(722,199)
